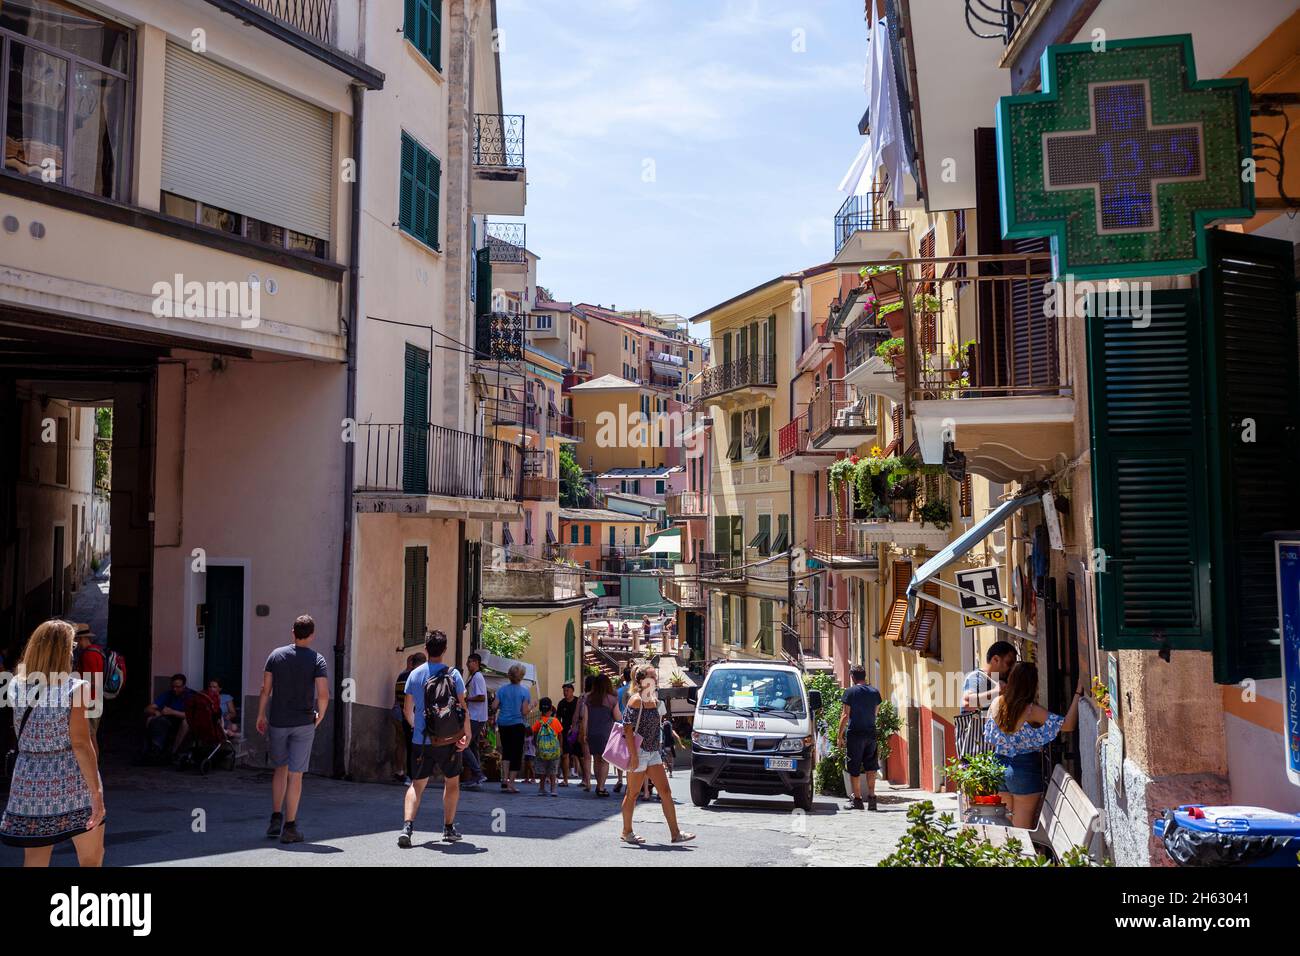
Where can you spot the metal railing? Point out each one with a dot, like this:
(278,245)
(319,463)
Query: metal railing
(1000,16)
(499,140)
(836,537)
(316,18)
(869,212)
(433,460)
(684,592)
(539,489)
(687,504)
(861,341)
(657,380)
(569,427)
(499,336)
(507,241)
(754,370)
(720,563)
(837,405)
(509,411)
(1018,344)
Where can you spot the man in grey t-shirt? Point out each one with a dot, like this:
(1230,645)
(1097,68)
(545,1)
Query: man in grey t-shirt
(296,685)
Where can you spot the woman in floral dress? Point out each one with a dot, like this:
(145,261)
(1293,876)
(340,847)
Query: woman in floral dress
(55,793)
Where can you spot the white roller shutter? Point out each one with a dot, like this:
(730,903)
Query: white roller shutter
(237,144)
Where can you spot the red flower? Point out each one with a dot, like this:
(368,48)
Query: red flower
(853,459)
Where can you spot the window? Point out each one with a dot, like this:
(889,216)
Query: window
(726,619)
(421,181)
(766,632)
(763,446)
(223,220)
(660,487)
(733,445)
(414,595)
(423,27)
(67,111)
(782,542)
(573,534)
(570,652)
(762,538)
(586,534)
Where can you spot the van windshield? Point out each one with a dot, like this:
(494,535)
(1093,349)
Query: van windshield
(758,690)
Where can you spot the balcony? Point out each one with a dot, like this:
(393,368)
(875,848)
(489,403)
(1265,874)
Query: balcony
(795,452)
(499,337)
(987,365)
(685,592)
(507,242)
(500,183)
(568,428)
(539,489)
(311,26)
(736,382)
(867,228)
(657,379)
(316,18)
(839,418)
(687,504)
(411,462)
(519,585)
(842,545)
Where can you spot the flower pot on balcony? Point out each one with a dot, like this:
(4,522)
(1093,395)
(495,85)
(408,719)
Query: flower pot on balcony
(952,374)
(886,286)
(899,361)
(900,509)
(896,320)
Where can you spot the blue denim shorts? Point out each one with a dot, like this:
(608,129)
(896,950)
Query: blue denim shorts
(1024,773)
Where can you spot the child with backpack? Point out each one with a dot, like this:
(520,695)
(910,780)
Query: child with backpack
(547,734)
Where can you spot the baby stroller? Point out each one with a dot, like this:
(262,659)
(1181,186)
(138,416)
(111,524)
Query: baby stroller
(207,745)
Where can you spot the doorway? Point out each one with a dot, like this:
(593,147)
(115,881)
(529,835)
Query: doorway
(223,639)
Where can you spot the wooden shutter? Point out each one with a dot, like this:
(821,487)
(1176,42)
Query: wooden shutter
(415,422)
(1148,472)
(414,596)
(1252,390)
(923,636)
(896,617)
(1034,359)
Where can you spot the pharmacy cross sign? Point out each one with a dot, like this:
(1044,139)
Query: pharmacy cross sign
(1124,158)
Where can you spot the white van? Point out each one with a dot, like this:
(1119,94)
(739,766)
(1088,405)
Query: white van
(754,733)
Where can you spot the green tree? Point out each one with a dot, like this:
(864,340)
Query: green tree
(574,490)
(103,446)
(497,635)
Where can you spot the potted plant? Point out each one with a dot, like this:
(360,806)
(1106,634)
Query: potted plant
(892,351)
(978,778)
(841,471)
(937,512)
(894,317)
(886,283)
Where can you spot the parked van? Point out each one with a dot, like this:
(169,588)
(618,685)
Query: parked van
(754,733)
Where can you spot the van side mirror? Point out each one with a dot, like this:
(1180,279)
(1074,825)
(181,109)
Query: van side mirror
(693,695)
(815,700)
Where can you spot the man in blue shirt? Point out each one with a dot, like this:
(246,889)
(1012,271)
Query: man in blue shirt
(858,736)
(166,717)
(429,751)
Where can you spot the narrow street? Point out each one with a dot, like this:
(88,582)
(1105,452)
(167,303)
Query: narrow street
(154,818)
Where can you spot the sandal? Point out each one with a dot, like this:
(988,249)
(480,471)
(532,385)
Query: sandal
(684,838)
(633,839)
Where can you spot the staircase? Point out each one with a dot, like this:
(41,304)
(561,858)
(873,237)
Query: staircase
(592,659)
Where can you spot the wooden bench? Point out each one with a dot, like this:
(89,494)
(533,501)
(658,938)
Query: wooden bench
(1067,820)
(616,643)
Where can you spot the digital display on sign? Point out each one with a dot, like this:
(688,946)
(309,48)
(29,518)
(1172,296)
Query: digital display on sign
(1124,158)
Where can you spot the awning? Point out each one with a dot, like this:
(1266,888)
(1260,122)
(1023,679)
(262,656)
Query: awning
(667,542)
(956,549)
(596,589)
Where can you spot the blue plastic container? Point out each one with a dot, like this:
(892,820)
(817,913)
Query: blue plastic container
(1233,836)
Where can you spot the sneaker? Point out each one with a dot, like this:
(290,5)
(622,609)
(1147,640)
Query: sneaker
(854,804)
(472,785)
(618,787)
(276,825)
(290,833)
(871,804)
(404,838)
(450,834)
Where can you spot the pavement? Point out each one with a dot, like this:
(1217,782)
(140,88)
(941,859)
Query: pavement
(160,816)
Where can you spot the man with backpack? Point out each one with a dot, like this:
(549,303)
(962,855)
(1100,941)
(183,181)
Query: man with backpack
(547,735)
(435,709)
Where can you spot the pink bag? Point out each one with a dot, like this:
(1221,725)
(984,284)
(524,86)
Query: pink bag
(616,751)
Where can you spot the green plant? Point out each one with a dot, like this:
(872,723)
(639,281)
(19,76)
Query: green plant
(498,635)
(829,777)
(979,775)
(888,723)
(937,512)
(889,348)
(574,490)
(959,354)
(941,842)
(925,302)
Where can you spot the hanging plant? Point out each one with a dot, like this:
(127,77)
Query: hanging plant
(841,471)
(937,513)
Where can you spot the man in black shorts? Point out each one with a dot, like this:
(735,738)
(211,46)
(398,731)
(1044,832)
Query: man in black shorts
(428,753)
(571,759)
(858,736)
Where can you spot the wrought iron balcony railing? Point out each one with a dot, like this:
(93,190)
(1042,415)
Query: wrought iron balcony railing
(754,370)
(316,18)
(836,537)
(507,241)
(433,460)
(869,212)
(837,405)
(721,564)
(996,19)
(861,342)
(684,592)
(569,427)
(499,140)
(687,504)
(499,336)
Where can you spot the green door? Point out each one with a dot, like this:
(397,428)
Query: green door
(415,422)
(223,640)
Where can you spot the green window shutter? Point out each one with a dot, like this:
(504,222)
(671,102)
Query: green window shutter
(570,652)
(733,437)
(415,422)
(1148,470)
(637,532)
(406,201)
(1252,390)
(432,197)
(586,534)
(414,596)
(573,534)
(726,348)
(721,534)
(737,548)
(765,627)
(421,182)
(423,27)
(726,618)
(763,449)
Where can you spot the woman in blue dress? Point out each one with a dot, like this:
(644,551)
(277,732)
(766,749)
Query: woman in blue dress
(1019,729)
(56,793)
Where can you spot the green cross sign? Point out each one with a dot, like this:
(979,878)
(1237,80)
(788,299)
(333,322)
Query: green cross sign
(1124,158)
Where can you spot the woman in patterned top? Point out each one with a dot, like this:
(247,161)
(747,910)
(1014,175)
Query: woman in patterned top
(641,716)
(1019,729)
(56,793)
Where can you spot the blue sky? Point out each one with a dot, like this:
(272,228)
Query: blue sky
(681,151)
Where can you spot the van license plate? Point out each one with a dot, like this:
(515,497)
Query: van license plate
(780,763)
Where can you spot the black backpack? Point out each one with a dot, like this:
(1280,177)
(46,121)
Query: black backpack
(444,718)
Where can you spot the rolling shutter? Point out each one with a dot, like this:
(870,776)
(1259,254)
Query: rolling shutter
(215,120)
(1148,473)
(1252,392)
